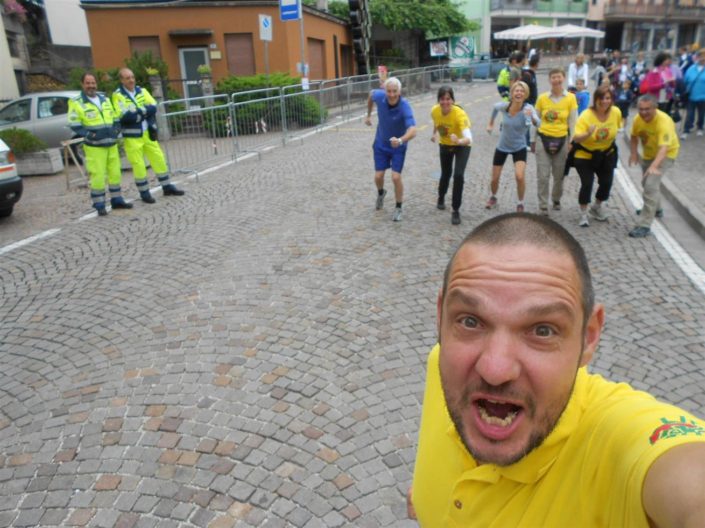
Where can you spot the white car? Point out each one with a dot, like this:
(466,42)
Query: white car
(10,182)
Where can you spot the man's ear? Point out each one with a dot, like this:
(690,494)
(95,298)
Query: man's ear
(439,312)
(593,331)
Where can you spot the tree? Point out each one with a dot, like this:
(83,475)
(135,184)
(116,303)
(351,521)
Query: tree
(437,18)
(108,80)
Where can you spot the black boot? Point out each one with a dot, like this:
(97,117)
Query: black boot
(171,190)
(119,203)
(147,197)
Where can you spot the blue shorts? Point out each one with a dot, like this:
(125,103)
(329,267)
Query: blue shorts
(386,156)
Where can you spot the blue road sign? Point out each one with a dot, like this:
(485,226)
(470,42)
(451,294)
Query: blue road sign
(290,9)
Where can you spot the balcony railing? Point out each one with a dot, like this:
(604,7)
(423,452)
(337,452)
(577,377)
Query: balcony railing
(513,5)
(543,6)
(661,10)
(562,6)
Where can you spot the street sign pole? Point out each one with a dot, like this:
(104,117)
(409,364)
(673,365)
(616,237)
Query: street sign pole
(304,72)
(266,60)
(265,34)
(293,10)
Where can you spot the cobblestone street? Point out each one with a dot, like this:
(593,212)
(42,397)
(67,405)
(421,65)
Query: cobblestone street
(253,354)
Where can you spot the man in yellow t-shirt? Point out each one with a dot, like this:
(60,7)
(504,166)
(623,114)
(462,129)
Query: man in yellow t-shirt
(514,430)
(659,142)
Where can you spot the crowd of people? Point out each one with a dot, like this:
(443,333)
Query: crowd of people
(515,430)
(572,126)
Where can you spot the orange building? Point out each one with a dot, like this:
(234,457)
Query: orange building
(222,34)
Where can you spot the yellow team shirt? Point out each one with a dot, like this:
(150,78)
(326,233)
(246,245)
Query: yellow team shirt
(604,134)
(588,472)
(454,123)
(554,116)
(654,135)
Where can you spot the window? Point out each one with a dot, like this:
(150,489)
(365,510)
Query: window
(240,51)
(52,106)
(13,44)
(144,44)
(15,112)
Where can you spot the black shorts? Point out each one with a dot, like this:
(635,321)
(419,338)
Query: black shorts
(500,157)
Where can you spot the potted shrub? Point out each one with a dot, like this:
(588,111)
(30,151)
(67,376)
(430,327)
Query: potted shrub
(32,154)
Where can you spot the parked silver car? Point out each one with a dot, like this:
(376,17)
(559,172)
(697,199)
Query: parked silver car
(42,113)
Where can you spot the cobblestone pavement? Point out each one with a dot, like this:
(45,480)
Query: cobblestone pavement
(253,354)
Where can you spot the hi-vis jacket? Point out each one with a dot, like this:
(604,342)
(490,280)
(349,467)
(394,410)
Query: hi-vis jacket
(132,112)
(98,125)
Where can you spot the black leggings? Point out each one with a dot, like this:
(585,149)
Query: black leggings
(461,154)
(587,173)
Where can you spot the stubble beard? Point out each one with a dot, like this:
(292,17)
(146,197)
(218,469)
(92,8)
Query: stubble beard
(544,425)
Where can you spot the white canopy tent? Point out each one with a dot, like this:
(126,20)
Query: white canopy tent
(533,32)
(527,32)
(573,31)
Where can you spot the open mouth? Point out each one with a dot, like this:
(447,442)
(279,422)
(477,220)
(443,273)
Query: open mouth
(497,413)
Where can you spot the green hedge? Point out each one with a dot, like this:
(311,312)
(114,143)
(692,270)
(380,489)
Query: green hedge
(303,110)
(22,141)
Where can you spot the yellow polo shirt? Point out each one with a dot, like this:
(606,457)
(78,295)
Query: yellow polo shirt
(554,115)
(659,132)
(454,123)
(604,134)
(587,473)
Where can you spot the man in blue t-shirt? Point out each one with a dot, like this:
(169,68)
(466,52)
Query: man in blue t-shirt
(395,128)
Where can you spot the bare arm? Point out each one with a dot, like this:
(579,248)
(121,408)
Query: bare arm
(579,138)
(409,134)
(410,511)
(655,167)
(572,119)
(633,148)
(370,104)
(674,488)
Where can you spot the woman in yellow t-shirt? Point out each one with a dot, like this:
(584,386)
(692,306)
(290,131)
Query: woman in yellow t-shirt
(596,152)
(451,129)
(557,110)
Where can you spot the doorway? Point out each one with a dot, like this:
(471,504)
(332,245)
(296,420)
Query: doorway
(190,59)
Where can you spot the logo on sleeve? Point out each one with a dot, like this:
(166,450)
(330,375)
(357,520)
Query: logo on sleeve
(671,429)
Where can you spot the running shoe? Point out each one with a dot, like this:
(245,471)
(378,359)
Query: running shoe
(597,213)
(380,200)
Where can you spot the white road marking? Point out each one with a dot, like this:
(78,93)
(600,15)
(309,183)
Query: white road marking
(694,272)
(15,245)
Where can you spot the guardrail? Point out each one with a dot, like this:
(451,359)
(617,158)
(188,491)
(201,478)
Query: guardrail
(199,132)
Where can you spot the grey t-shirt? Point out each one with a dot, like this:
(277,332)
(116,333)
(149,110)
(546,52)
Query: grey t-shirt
(513,134)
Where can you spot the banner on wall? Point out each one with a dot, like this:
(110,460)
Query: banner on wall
(462,47)
(439,48)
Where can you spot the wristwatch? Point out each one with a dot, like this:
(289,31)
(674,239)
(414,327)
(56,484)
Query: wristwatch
(401,141)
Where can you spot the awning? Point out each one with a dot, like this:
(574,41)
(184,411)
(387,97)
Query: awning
(196,32)
(573,31)
(527,32)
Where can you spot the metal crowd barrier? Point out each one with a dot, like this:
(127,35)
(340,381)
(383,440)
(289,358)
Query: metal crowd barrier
(205,131)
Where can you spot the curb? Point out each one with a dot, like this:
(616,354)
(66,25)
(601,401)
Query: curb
(686,208)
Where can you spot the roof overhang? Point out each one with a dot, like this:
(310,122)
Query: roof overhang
(195,32)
